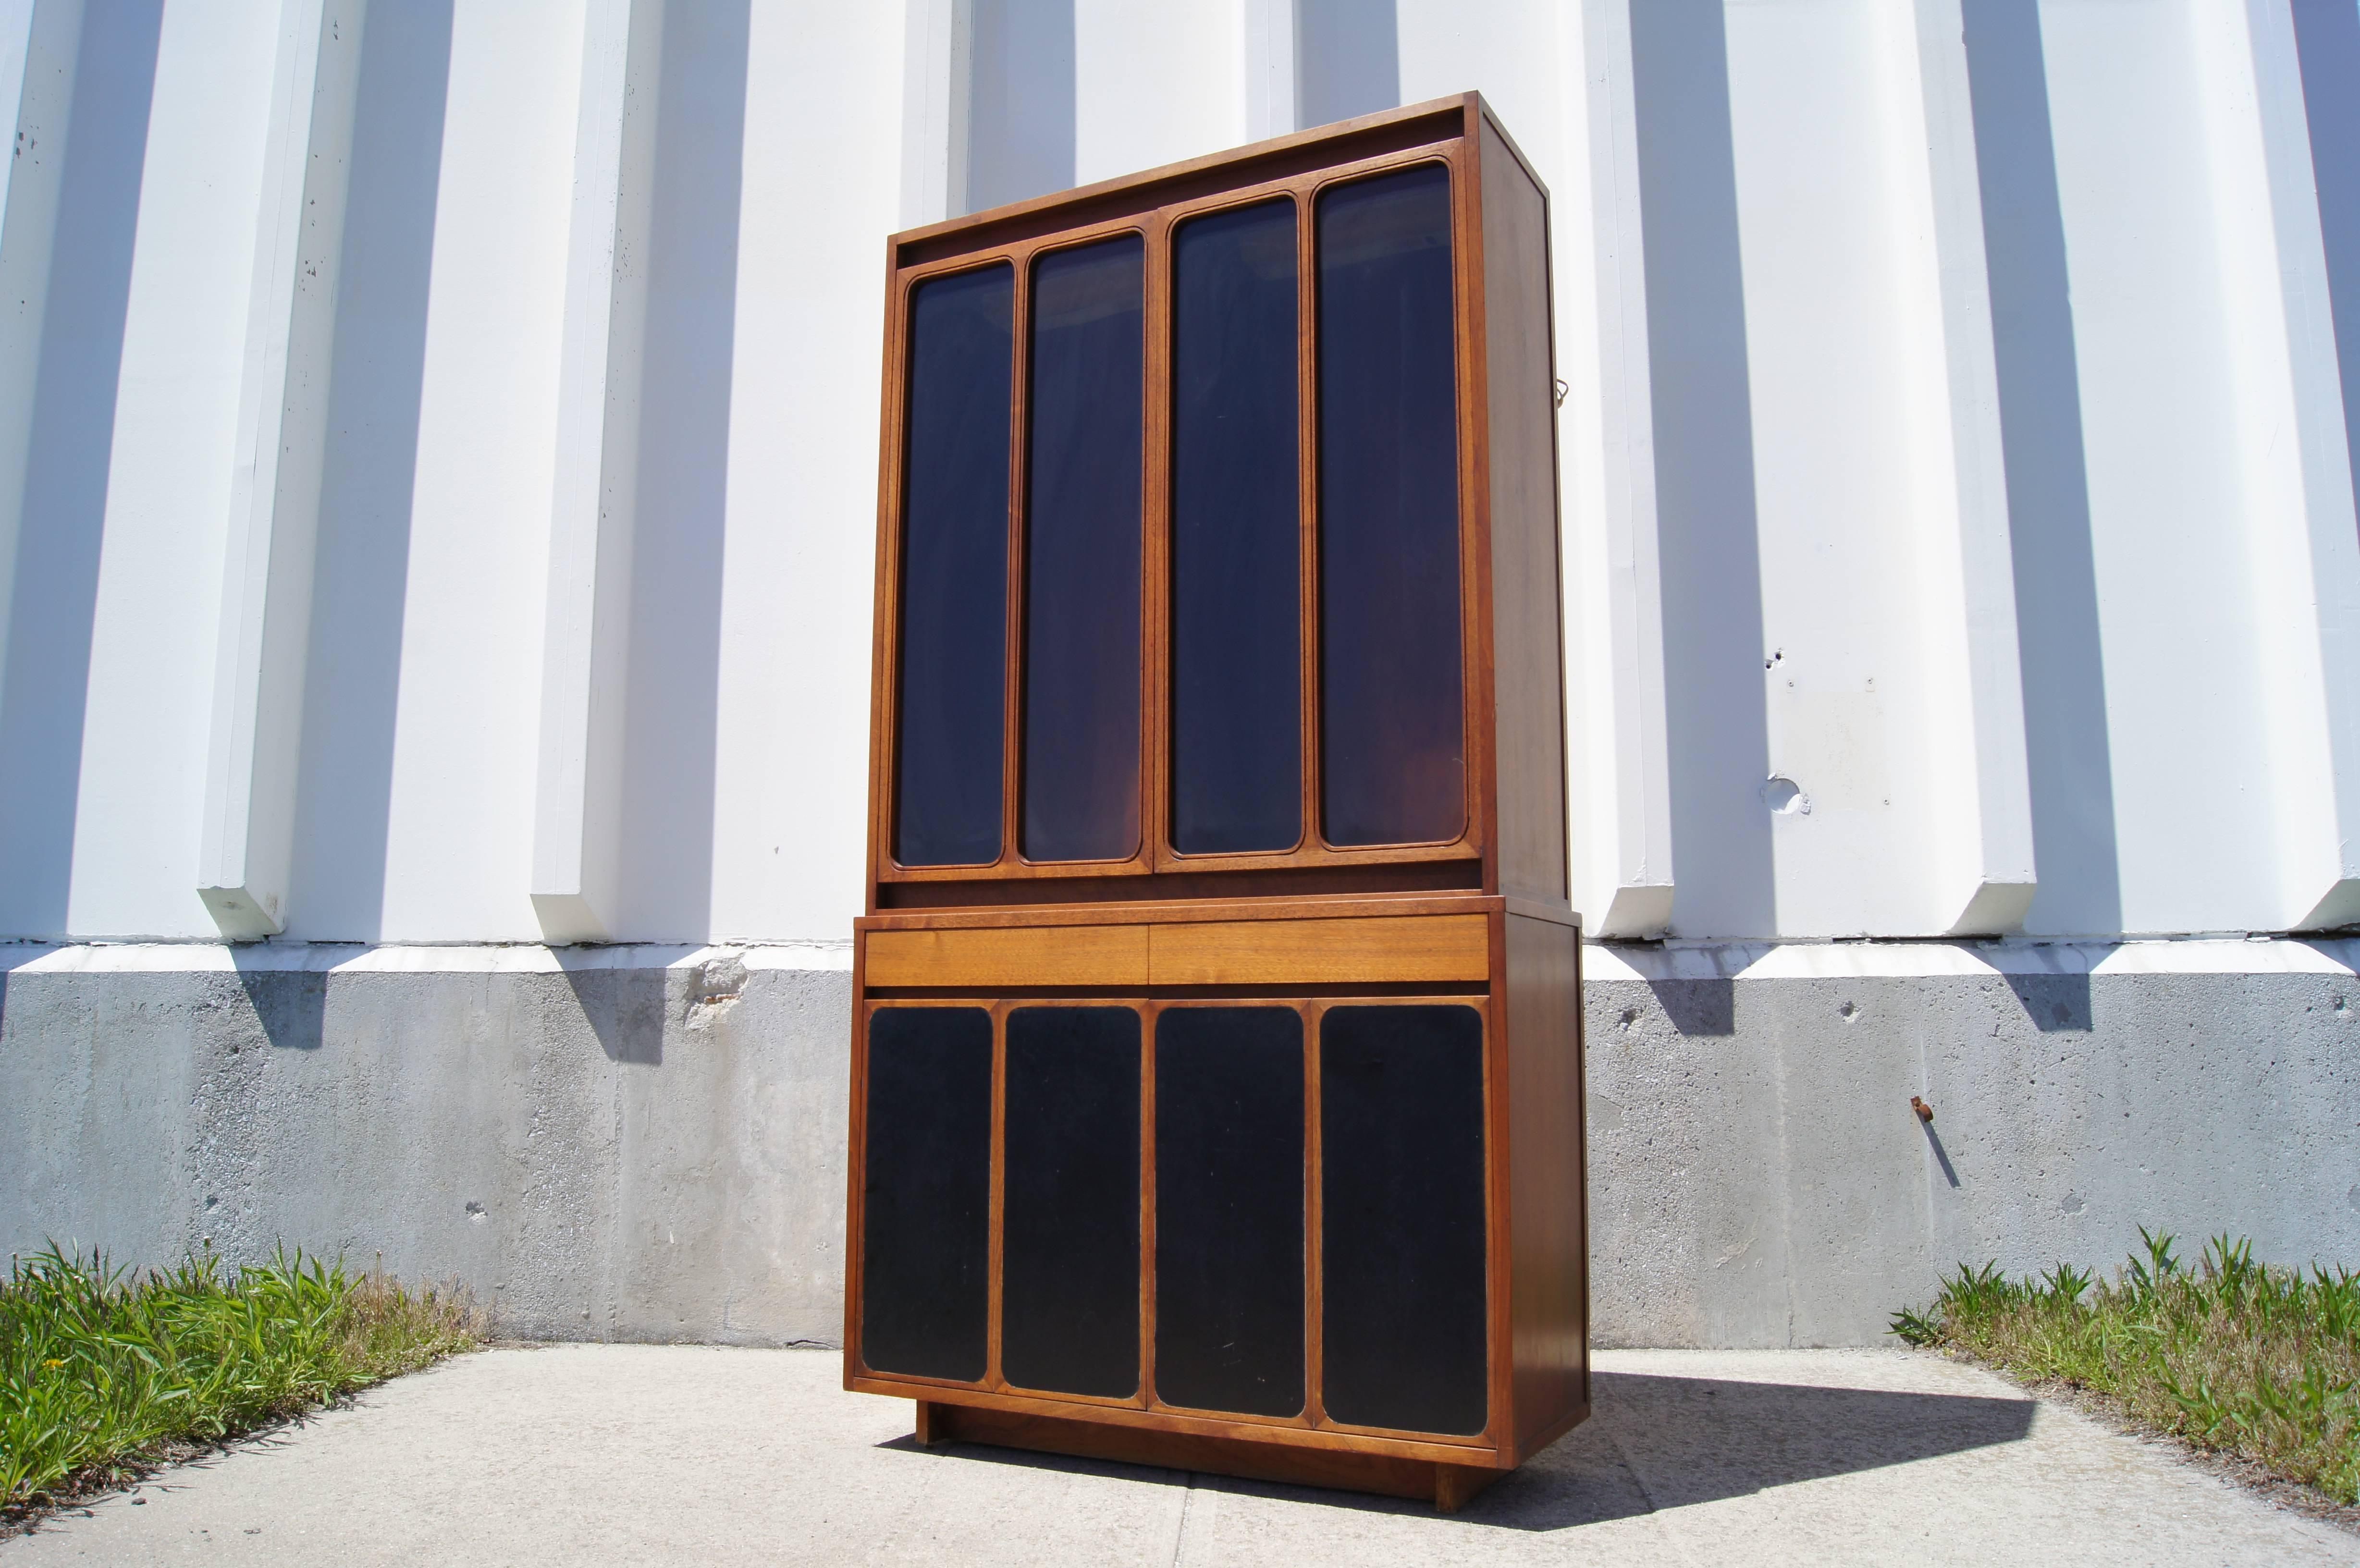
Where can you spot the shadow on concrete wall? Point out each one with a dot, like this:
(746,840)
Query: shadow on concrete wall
(1719,736)
(2327,38)
(46,679)
(361,581)
(677,553)
(1655,1443)
(1021,101)
(1348,55)
(623,1006)
(2057,1003)
(1941,1154)
(291,1005)
(2067,754)
(1697,1006)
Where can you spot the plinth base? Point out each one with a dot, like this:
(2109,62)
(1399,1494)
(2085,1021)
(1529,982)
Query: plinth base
(1449,1486)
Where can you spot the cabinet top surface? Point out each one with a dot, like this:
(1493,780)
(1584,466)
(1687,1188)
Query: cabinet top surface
(1391,130)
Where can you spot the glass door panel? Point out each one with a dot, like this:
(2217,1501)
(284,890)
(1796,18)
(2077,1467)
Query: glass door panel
(1237,742)
(1069,1259)
(1228,1209)
(953,610)
(1392,765)
(926,1192)
(1081,632)
(1401,1217)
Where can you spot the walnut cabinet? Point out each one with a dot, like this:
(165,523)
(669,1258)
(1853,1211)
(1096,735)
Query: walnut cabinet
(1216,1047)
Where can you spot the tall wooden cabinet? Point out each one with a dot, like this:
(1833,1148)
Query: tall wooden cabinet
(1217,1038)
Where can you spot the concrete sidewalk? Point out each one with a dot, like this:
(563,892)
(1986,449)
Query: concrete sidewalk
(677,1454)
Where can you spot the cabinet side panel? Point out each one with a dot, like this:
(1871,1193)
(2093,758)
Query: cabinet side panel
(1549,1253)
(1528,649)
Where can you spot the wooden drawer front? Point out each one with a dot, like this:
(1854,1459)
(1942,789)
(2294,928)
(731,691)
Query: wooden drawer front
(1314,952)
(1018,955)
(1220,953)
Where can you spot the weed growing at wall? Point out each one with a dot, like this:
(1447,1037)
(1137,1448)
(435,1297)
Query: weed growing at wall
(103,1368)
(2231,1355)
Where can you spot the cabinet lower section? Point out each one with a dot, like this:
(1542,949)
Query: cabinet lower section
(1275,1231)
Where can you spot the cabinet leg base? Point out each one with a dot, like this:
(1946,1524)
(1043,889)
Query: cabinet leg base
(1448,1486)
(1455,1486)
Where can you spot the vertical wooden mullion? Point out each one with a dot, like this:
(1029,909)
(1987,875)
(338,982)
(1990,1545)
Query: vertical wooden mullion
(1478,698)
(1306,374)
(885,650)
(1315,1343)
(1478,679)
(995,1252)
(1147,1014)
(1154,553)
(1018,488)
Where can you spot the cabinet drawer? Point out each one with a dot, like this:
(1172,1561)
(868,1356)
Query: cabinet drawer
(1397,948)
(1010,955)
(1318,952)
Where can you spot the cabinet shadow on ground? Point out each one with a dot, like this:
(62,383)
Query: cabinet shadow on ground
(1654,1442)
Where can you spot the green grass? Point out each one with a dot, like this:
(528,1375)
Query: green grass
(2230,1354)
(102,1369)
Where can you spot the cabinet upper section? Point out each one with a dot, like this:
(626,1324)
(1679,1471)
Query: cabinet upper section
(1197,528)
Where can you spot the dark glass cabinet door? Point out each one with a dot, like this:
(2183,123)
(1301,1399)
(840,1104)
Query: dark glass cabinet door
(1069,1259)
(1237,742)
(1402,1248)
(1228,1209)
(953,608)
(1384,626)
(1392,763)
(926,1192)
(1082,541)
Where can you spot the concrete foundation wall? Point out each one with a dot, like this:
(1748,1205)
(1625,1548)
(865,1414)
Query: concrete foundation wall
(644,1145)
(648,1143)
(1758,1177)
